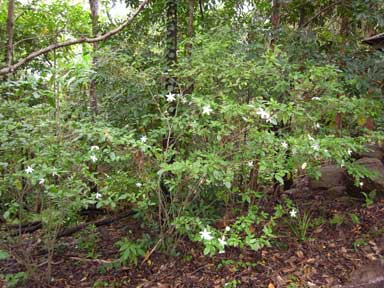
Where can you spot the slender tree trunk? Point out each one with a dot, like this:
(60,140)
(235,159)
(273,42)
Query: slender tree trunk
(171,41)
(10,31)
(94,6)
(164,195)
(275,20)
(188,46)
(302,16)
(190,30)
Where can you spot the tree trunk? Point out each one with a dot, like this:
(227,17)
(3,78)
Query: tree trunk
(171,41)
(10,31)
(164,196)
(190,30)
(302,16)
(94,6)
(275,21)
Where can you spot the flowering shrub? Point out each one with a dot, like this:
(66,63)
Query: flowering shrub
(247,124)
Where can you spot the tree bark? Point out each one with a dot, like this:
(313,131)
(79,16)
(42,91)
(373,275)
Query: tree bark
(275,20)
(190,30)
(10,32)
(11,69)
(94,6)
(171,41)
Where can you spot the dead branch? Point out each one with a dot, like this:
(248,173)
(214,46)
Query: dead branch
(25,228)
(106,221)
(12,68)
(34,226)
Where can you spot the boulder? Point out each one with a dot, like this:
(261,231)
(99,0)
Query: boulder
(370,275)
(331,176)
(376,183)
(373,151)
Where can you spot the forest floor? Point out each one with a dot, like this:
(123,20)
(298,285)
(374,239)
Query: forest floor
(334,247)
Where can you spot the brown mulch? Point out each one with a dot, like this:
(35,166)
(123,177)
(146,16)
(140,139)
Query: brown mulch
(325,259)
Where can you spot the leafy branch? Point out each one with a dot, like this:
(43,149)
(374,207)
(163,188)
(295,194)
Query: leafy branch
(12,68)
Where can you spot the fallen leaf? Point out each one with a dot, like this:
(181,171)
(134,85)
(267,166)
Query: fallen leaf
(300,254)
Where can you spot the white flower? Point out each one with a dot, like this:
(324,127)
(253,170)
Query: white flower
(29,170)
(222,252)
(315,98)
(361,184)
(138,184)
(272,121)
(263,114)
(41,181)
(207,110)
(317,125)
(143,139)
(97,195)
(184,100)
(206,235)
(93,158)
(95,147)
(54,173)
(293,213)
(349,152)
(315,146)
(284,145)
(250,164)
(227,228)
(170,97)
(304,165)
(311,138)
(222,241)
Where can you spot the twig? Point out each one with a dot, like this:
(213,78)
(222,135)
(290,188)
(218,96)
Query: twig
(152,250)
(93,260)
(53,263)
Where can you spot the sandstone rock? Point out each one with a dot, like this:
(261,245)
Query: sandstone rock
(370,275)
(331,176)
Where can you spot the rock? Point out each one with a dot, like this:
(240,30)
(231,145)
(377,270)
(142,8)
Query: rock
(376,183)
(373,151)
(331,176)
(370,275)
(335,192)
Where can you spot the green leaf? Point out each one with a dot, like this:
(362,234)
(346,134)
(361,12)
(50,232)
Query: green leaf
(4,255)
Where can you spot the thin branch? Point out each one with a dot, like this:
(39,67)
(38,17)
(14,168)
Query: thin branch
(12,68)
(321,12)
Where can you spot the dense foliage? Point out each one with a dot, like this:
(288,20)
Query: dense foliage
(258,103)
